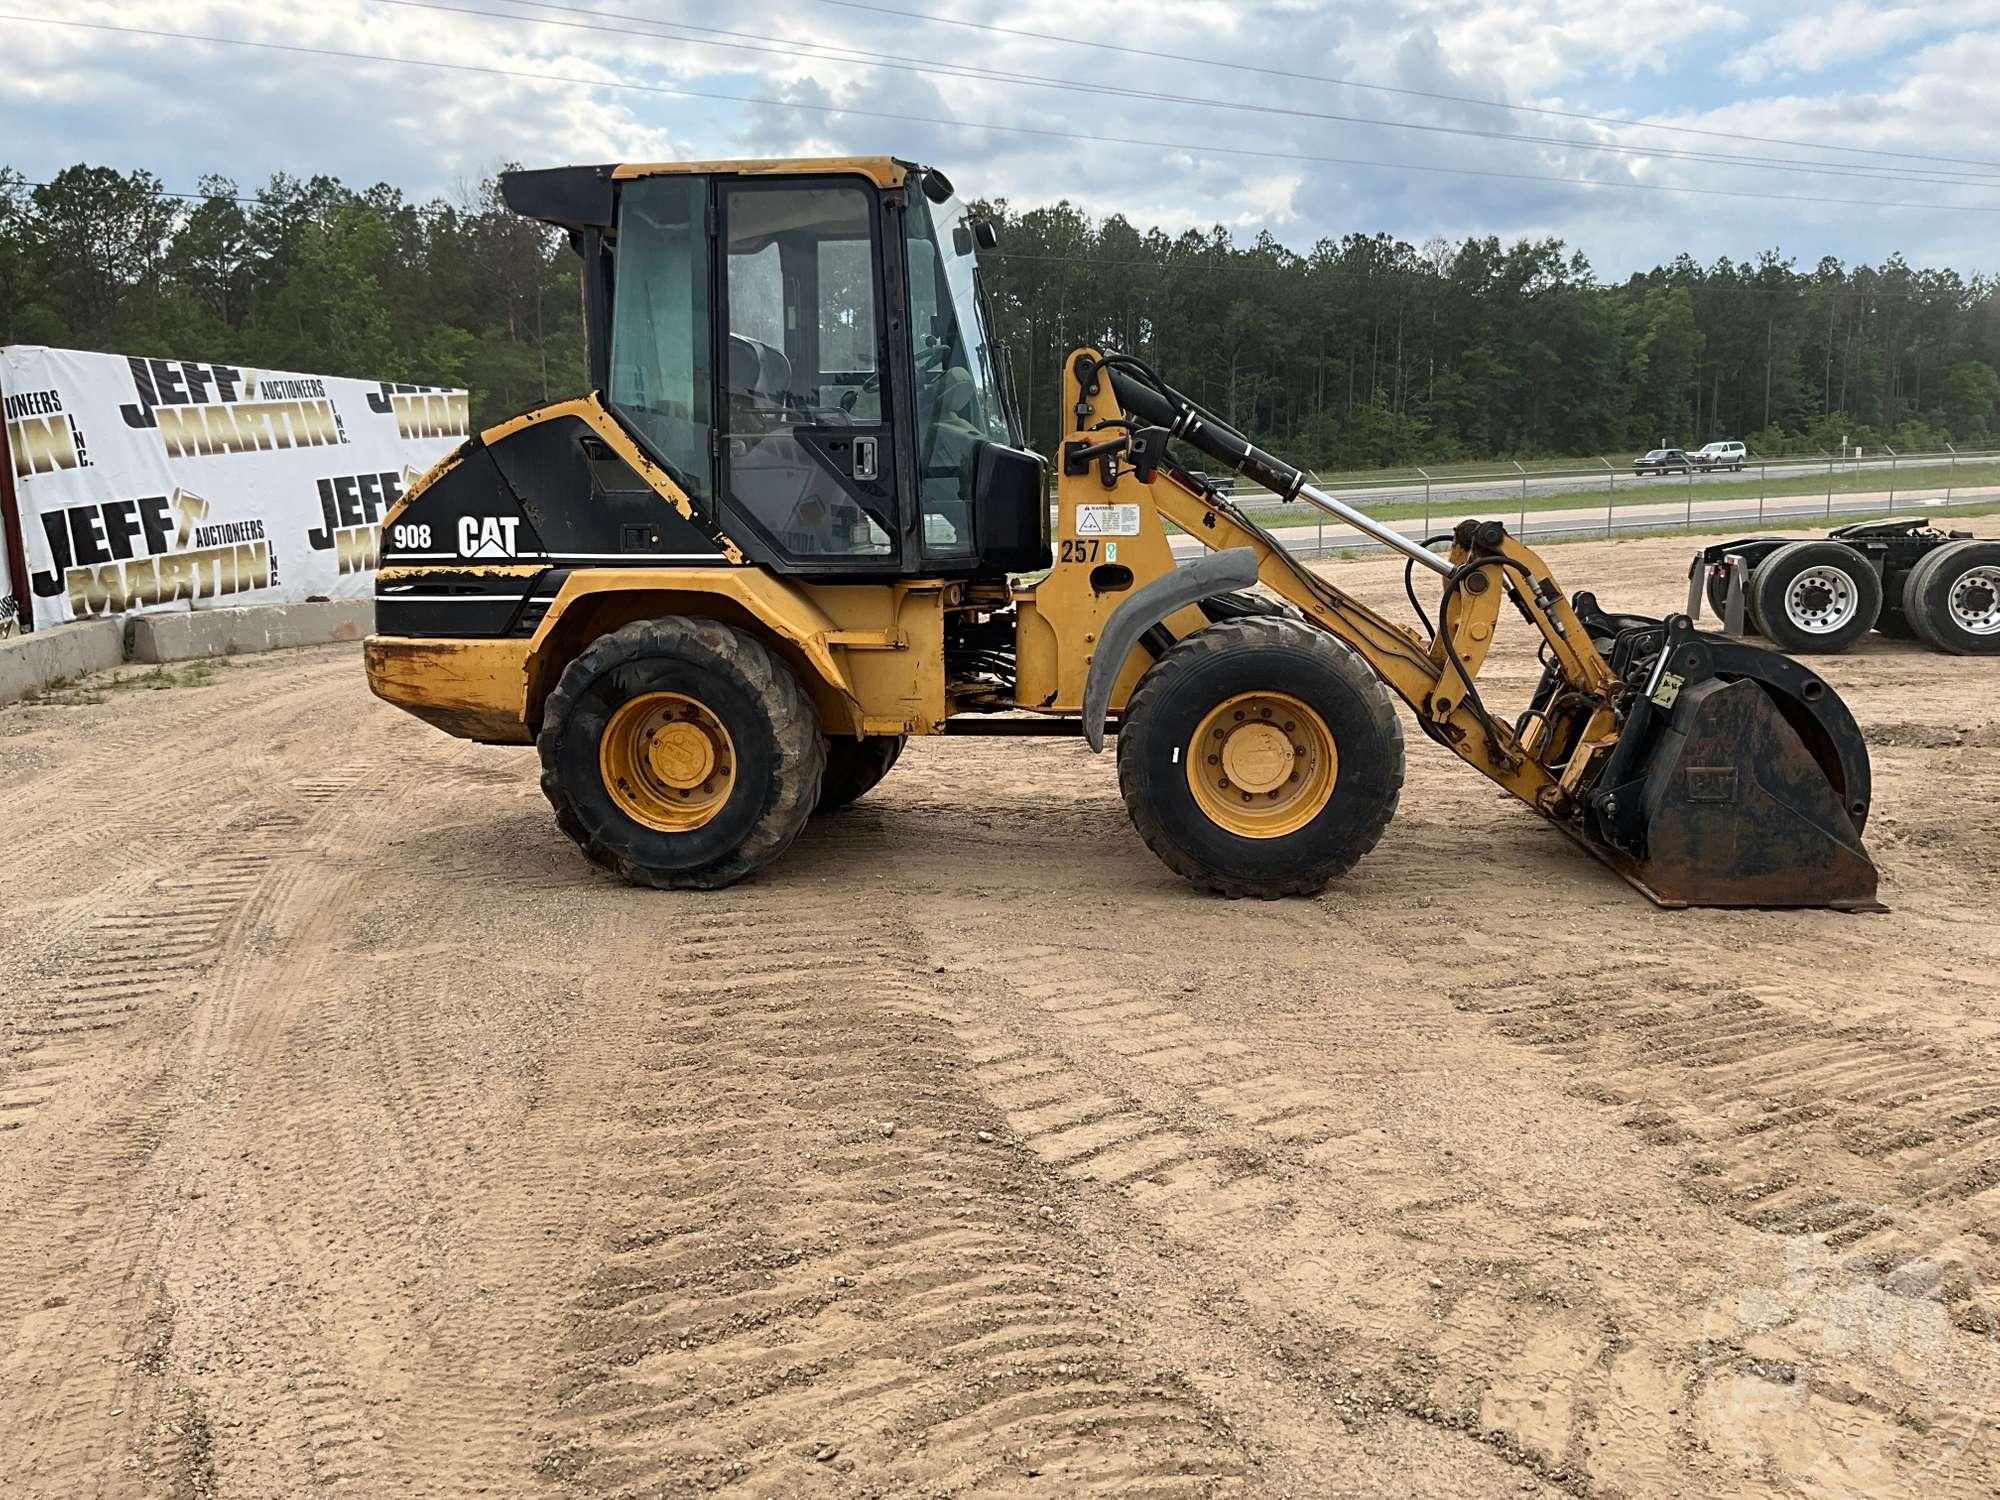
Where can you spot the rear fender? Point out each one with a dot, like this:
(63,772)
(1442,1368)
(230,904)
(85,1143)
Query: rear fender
(596,600)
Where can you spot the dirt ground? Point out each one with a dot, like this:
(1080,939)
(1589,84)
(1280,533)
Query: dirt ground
(358,1136)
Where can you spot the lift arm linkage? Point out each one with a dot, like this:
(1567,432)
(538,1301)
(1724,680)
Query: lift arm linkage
(1546,758)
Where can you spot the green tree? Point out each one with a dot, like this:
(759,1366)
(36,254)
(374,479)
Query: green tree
(328,316)
(1971,390)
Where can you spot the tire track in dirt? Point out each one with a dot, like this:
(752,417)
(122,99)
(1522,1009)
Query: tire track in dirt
(1885,1143)
(127,963)
(789,1285)
(1235,1163)
(377,1278)
(99,1076)
(1244,1157)
(95,1101)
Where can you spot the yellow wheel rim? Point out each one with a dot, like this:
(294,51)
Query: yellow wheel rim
(1262,765)
(667,762)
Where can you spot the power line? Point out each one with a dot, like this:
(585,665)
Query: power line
(859,57)
(490,71)
(1408,93)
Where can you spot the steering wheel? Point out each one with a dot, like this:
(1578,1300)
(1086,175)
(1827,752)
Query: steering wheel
(930,365)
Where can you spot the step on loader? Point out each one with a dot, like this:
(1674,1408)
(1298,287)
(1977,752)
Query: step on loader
(796,523)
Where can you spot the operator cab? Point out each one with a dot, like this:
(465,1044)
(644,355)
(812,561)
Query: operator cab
(805,348)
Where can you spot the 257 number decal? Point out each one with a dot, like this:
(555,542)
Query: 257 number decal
(1083,551)
(411,537)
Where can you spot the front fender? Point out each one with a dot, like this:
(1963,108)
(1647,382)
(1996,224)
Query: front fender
(1191,582)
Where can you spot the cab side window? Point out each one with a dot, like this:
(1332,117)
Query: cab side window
(660,376)
(805,451)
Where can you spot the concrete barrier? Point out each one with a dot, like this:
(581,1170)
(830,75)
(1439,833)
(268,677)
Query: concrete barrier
(35,660)
(263,627)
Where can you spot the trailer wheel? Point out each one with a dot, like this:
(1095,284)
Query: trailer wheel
(680,753)
(1260,757)
(1952,598)
(854,766)
(1815,598)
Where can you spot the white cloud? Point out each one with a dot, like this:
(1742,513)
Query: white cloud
(1852,31)
(183,109)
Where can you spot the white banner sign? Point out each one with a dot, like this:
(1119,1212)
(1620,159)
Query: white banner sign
(151,484)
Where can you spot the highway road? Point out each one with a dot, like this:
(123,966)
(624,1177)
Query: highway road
(1500,485)
(1772,513)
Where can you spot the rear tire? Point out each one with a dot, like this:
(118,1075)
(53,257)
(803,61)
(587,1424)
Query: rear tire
(1305,727)
(680,753)
(1815,598)
(1952,598)
(854,766)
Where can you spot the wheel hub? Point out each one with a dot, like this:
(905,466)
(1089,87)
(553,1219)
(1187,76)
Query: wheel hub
(681,755)
(1975,601)
(1821,600)
(667,761)
(1257,756)
(1262,765)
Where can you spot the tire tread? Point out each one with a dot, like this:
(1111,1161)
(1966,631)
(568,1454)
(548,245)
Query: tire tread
(801,748)
(1224,637)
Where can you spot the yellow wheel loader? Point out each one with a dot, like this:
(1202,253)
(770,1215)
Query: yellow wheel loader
(795,523)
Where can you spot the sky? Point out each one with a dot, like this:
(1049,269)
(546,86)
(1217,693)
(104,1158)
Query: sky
(1655,126)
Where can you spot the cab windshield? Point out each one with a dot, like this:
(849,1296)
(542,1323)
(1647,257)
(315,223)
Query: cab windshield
(961,392)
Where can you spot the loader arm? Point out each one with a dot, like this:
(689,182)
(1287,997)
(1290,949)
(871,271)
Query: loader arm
(1704,771)
(1436,678)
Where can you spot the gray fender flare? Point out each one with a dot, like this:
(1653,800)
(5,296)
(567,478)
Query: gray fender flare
(1191,582)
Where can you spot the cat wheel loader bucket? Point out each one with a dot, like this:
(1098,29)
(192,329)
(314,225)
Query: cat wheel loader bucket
(1739,778)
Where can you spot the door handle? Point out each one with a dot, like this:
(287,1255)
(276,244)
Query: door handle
(864,458)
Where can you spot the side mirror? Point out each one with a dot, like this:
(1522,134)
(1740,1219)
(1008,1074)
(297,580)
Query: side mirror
(961,239)
(937,186)
(986,232)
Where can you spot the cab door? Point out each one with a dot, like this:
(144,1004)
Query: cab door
(806,427)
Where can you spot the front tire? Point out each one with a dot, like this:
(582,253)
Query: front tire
(1815,598)
(1260,757)
(680,753)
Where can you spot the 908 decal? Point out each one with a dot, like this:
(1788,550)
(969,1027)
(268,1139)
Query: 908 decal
(410,537)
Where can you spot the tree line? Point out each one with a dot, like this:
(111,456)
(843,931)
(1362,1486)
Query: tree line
(1360,351)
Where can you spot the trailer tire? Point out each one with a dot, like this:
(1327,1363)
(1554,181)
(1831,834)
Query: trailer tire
(1952,598)
(738,782)
(1815,598)
(1303,725)
(855,766)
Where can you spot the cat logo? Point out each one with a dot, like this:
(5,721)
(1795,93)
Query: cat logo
(486,536)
